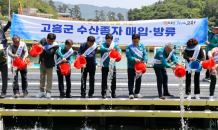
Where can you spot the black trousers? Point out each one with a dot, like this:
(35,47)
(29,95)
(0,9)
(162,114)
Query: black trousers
(162,79)
(131,80)
(207,74)
(4,73)
(91,70)
(104,72)
(23,74)
(212,85)
(196,83)
(61,82)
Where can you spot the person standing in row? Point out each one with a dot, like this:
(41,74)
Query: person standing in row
(105,48)
(65,54)
(4,71)
(46,60)
(135,53)
(193,52)
(3,39)
(88,51)
(211,43)
(162,56)
(19,48)
(213,54)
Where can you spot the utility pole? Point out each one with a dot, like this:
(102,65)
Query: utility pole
(9,9)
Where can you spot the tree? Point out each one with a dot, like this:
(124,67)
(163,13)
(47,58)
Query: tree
(97,15)
(71,12)
(120,17)
(111,16)
(102,15)
(41,5)
(77,13)
(170,14)
(60,9)
(130,15)
(65,8)
(190,3)
(51,3)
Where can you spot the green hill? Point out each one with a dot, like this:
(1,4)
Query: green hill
(88,11)
(177,9)
(42,6)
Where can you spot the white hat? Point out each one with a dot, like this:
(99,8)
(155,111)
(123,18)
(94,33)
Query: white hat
(215,27)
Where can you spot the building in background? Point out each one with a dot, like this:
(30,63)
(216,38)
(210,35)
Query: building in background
(32,12)
(66,16)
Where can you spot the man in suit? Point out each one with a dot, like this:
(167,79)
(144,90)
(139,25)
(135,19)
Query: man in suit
(160,63)
(106,47)
(135,53)
(88,50)
(46,60)
(65,54)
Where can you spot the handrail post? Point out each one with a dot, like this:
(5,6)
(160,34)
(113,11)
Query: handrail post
(152,119)
(103,119)
(207,120)
(49,118)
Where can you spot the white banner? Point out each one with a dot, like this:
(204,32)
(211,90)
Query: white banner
(152,32)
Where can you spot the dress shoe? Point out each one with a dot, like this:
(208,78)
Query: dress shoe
(162,97)
(25,95)
(62,95)
(83,96)
(2,95)
(90,96)
(104,96)
(114,96)
(16,95)
(68,96)
(168,94)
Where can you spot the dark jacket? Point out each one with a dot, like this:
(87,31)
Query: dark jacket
(47,55)
(3,58)
(90,59)
(189,53)
(3,39)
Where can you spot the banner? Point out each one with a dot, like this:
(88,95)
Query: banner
(152,32)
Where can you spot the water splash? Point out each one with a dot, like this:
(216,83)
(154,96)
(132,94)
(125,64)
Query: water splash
(189,103)
(82,79)
(86,98)
(110,73)
(110,76)
(182,110)
(137,75)
(14,69)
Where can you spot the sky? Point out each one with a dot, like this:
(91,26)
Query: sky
(112,3)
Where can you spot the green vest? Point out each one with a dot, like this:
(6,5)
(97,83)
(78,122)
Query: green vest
(3,57)
(213,41)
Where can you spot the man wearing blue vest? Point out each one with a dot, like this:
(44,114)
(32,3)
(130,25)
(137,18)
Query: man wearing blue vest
(160,63)
(65,54)
(88,51)
(135,53)
(105,48)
